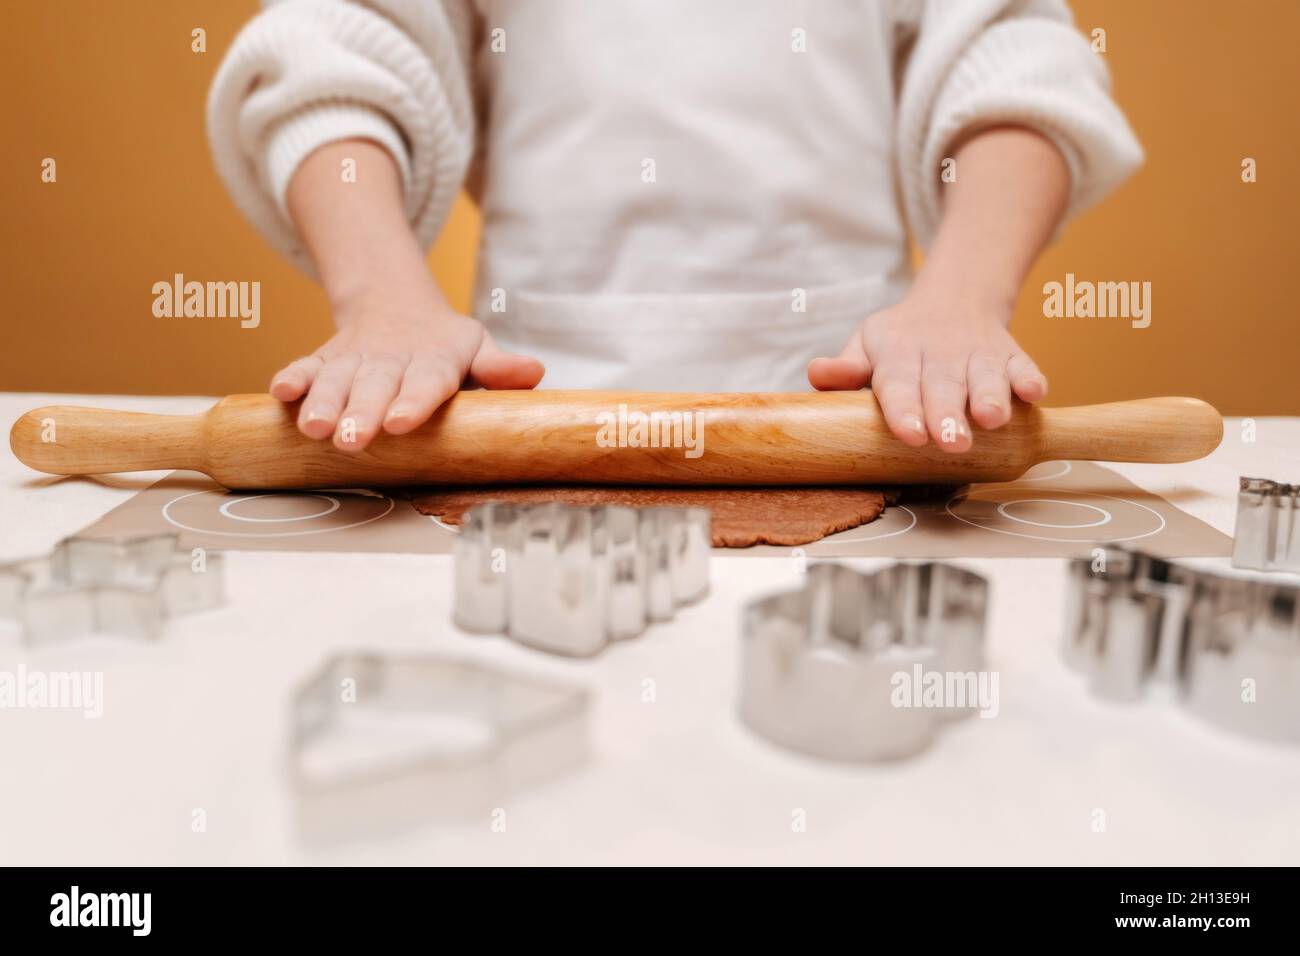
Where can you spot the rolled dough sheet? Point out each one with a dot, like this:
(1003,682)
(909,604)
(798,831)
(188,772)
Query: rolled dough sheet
(741,517)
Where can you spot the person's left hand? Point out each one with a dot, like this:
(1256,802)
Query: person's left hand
(928,359)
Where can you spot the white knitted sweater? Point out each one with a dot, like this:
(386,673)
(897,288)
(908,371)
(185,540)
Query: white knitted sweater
(651,158)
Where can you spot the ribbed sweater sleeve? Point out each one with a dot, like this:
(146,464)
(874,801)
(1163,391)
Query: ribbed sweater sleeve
(304,73)
(967,64)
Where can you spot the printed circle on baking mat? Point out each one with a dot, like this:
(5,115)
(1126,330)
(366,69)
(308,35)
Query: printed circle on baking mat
(279,515)
(1055,514)
(896,520)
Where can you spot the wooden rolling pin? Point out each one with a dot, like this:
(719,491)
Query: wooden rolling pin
(489,437)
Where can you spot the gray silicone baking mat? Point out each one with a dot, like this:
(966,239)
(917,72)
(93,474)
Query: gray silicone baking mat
(1058,509)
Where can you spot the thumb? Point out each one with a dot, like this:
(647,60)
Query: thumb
(494,368)
(849,370)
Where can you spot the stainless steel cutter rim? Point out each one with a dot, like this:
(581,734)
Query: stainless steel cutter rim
(573,579)
(134,573)
(1267,532)
(566,703)
(797,657)
(1185,627)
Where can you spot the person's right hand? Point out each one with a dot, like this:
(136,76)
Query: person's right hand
(394,360)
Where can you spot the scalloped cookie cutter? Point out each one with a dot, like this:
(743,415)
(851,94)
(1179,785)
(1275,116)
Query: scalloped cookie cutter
(1227,646)
(823,666)
(387,740)
(569,579)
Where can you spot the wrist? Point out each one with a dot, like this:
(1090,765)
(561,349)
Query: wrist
(383,294)
(939,285)
(371,282)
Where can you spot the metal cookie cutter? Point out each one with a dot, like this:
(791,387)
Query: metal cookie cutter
(1267,536)
(381,741)
(570,579)
(125,586)
(1228,647)
(831,670)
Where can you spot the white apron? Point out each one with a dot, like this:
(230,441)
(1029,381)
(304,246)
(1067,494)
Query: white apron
(681,195)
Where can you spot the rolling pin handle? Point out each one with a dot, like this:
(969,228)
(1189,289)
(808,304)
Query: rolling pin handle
(1143,430)
(73,440)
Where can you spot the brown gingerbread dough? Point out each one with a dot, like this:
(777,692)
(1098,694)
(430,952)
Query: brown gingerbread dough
(741,517)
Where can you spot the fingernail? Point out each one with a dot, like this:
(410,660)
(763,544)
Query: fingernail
(952,430)
(309,419)
(994,404)
(395,413)
(913,424)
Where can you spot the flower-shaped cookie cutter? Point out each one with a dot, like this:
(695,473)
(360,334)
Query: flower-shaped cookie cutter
(841,668)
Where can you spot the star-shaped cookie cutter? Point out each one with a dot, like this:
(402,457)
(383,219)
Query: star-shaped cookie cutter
(125,586)
(1228,646)
(383,741)
(841,668)
(570,579)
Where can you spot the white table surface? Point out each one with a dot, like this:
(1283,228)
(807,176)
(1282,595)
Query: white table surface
(199,720)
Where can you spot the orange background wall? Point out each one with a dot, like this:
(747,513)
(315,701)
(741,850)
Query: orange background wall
(114,94)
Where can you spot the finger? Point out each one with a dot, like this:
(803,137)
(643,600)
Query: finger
(897,387)
(291,382)
(494,368)
(427,384)
(943,390)
(329,391)
(1026,380)
(849,370)
(990,390)
(375,386)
